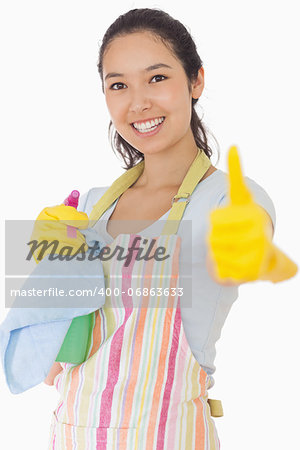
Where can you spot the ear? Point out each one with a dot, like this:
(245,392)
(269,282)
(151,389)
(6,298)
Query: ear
(198,84)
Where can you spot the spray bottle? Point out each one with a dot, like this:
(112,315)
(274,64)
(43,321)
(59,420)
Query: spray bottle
(76,344)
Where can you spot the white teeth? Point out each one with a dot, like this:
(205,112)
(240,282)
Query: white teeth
(148,129)
(149,125)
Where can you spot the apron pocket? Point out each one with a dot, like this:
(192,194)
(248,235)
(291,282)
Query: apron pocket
(71,436)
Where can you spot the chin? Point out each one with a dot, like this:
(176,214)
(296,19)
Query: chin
(151,150)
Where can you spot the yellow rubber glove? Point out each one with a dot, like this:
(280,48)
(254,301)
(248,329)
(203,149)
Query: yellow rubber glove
(240,237)
(59,223)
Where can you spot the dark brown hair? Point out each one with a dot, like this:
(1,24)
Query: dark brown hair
(177,38)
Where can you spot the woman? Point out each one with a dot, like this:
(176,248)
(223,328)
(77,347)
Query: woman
(144,384)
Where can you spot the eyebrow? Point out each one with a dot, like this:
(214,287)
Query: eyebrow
(148,69)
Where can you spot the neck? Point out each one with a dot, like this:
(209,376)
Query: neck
(166,168)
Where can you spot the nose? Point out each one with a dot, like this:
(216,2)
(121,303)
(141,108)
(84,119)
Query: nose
(139,101)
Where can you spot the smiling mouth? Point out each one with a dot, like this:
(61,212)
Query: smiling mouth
(148,125)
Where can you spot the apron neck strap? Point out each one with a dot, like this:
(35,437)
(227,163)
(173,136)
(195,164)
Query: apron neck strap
(198,168)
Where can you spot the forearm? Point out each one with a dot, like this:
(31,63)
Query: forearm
(55,370)
(280,267)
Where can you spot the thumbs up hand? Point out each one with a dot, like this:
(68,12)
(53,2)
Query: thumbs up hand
(240,236)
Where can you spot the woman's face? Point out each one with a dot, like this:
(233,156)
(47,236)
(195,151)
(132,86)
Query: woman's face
(147,95)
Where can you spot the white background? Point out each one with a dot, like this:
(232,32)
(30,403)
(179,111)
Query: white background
(54,139)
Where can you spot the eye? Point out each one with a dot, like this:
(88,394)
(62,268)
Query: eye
(160,77)
(116,86)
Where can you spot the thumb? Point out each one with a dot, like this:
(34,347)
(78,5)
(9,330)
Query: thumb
(239,193)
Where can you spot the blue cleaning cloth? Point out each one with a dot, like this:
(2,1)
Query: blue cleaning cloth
(34,329)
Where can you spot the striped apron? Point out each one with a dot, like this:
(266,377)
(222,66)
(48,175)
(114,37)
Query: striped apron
(140,388)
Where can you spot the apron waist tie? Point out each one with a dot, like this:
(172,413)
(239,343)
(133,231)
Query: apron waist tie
(216,409)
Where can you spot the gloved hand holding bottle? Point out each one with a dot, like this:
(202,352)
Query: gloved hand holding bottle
(56,231)
(240,236)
